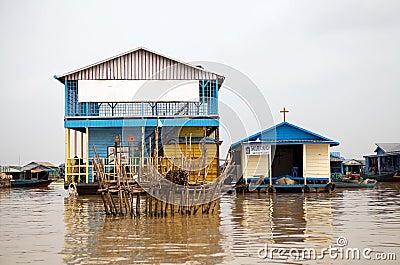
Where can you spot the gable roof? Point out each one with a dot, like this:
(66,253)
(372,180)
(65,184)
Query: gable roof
(140,64)
(287,133)
(353,162)
(388,147)
(39,165)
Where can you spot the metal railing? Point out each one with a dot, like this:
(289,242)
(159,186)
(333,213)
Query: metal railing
(143,109)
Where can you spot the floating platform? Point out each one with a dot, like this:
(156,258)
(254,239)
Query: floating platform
(292,188)
(285,184)
(83,188)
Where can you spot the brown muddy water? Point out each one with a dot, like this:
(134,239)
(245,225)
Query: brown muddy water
(46,226)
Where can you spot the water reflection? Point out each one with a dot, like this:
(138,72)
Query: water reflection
(371,221)
(45,226)
(318,220)
(280,220)
(93,238)
(31,225)
(83,218)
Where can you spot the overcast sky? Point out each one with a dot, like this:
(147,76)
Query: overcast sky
(334,64)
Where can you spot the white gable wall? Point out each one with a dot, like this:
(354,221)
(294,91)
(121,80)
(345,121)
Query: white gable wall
(316,161)
(256,161)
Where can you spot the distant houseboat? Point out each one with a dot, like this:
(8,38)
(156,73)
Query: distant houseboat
(385,164)
(34,174)
(353,167)
(336,163)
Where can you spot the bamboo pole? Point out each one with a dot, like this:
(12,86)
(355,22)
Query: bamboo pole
(75,142)
(156,147)
(87,157)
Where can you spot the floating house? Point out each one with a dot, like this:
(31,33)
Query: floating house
(284,150)
(336,163)
(385,160)
(40,170)
(353,166)
(157,107)
(33,170)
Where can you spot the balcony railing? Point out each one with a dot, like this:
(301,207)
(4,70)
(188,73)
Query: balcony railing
(206,105)
(143,109)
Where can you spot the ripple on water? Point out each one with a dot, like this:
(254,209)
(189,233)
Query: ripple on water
(46,226)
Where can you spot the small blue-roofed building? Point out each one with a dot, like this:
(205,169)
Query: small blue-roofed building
(336,164)
(284,150)
(385,160)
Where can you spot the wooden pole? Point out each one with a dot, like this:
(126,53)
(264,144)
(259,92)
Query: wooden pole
(82,145)
(138,204)
(67,155)
(141,156)
(217,139)
(87,157)
(75,142)
(186,151)
(203,153)
(156,147)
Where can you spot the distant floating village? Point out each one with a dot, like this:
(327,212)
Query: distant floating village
(123,139)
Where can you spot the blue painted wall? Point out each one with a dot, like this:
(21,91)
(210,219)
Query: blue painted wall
(102,123)
(102,138)
(380,151)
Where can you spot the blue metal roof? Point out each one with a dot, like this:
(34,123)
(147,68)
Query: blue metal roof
(287,133)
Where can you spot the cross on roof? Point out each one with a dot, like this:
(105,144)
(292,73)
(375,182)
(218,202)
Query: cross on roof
(284,111)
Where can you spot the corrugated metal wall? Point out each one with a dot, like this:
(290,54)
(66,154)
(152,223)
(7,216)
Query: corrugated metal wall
(141,64)
(102,138)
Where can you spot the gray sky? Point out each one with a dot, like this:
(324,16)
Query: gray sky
(334,64)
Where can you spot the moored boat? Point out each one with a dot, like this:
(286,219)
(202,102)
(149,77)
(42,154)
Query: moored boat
(30,182)
(286,183)
(384,176)
(355,183)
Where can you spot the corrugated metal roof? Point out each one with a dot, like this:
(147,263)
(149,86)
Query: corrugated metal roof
(388,147)
(353,162)
(46,164)
(286,132)
(38,165)
(140,64)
